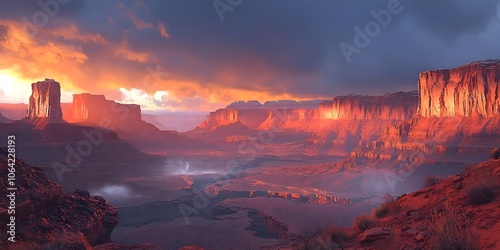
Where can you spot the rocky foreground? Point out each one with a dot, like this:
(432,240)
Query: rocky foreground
(459,212)
(47,217)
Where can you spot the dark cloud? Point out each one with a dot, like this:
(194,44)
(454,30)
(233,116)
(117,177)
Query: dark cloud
(285,46)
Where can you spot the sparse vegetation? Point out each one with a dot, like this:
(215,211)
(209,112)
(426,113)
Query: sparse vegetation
(431,180)
(389,206)
(307,238)
(495,153)
(451,231)
(381,211)
(338,236)
(482,193)
(363,223)
(330,238)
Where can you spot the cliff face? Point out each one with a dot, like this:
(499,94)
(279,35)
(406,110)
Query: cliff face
(219,118)
(45,101)
(394,106)
(95,108)
(470,90)
(48,216)
(311,115)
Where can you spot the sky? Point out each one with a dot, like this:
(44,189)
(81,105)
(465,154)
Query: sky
(191,55)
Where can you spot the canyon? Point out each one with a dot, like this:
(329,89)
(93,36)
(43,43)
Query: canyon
(258,168)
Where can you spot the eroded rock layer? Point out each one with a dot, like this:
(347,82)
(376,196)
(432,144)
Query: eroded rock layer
(469,90)
(45,100)
(95,108)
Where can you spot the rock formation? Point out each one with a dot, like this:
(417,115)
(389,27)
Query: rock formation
(48,217)
(95,108)
(309,115)
(219,118)
(45,103)
(393,106)
(469,90)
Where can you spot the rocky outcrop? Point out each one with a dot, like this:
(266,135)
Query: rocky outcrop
(469,90)
(45,103)
(95,108)
(47,216)
(392,106)
(245,105)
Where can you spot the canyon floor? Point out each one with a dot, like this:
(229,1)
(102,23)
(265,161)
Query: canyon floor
(221,197)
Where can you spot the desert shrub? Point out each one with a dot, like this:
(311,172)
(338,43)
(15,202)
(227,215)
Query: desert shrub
(481,194)
(332,238)
(451,231)
(431,180)
(381,211)
(338,235)
(363,223)
(495,153)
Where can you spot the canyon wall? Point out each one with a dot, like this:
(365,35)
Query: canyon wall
(220,117)
(469,90)
(392,106)
(311,115)
(453,118)
(45,101)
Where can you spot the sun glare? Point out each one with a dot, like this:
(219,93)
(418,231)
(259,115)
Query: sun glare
(13,89)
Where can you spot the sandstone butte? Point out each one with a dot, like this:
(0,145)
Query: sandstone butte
(45,103)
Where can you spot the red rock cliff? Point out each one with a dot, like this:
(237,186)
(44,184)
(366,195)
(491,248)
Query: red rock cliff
(219,118)
(394,106)
(95,108)
(45,101)
(469,90)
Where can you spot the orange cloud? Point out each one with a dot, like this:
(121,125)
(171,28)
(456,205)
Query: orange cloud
(139,23)
(162,27)
(17,43)
(71,32)
(124,51)
(117,70)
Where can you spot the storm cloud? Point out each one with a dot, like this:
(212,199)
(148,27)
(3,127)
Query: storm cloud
(262,49)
